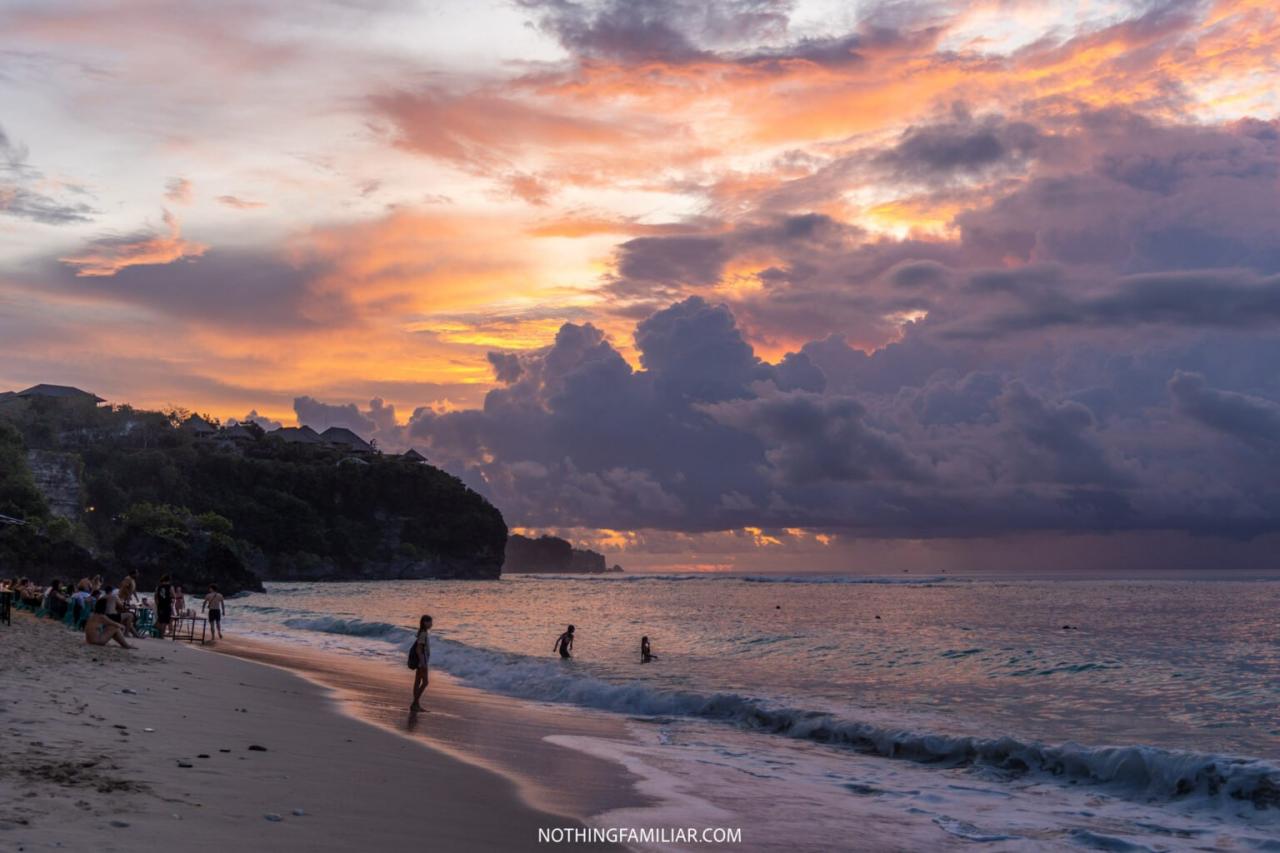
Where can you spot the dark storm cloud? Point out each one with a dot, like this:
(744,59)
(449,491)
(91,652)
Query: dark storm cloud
(1208,298)
(676,261)
(672,31)
(1150,197)
(694,351)
(19,196)
(1012,377)
(1253,420)
(812,438)
(222,288)
(1121,222)
(961,147)
(1053,442)
(506,367)
(918,439)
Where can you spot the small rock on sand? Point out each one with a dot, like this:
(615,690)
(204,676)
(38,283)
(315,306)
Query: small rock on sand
(273,817)
(119,824)
(299,812)
(253,747)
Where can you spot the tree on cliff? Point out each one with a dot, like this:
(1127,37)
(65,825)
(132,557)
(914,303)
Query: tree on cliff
(291,511)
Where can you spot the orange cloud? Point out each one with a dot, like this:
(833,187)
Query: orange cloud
(107,256)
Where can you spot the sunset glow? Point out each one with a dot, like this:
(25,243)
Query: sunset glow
(954,213)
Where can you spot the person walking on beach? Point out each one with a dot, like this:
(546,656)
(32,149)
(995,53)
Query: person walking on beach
(419,657)
(216,604)
(564,645)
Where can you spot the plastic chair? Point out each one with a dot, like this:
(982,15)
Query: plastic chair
(146,621)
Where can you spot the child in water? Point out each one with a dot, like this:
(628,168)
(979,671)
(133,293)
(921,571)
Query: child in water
(646,654)
(564,644)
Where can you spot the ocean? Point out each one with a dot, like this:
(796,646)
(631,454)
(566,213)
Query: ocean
(1120,714)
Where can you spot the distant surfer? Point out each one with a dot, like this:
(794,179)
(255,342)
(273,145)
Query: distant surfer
(646,654)
(564,644)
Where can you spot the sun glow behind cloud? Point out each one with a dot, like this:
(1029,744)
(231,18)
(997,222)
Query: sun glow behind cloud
(367,201)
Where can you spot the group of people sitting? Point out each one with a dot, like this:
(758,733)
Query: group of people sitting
(108,613)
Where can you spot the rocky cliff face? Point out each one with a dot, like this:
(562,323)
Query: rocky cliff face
(57,476)
(193,559)
(551,554)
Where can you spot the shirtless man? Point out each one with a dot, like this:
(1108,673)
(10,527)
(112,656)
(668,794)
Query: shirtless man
(216,605)
(115,610)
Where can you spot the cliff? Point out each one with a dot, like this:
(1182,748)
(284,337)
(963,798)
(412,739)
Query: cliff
(551,554)
(57,476)
(136,491)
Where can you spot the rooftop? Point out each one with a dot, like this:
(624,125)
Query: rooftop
(346,438)
(298,435)
(64,392)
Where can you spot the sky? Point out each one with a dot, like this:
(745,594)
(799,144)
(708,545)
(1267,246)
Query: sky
(870,286)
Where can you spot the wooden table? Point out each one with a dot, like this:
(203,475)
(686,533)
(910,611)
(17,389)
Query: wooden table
(190,631)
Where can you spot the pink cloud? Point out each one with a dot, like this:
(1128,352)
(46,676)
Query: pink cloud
(109,255)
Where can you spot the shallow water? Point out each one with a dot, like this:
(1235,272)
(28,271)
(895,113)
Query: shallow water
(1161,698)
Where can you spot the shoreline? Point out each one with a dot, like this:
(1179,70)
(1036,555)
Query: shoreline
(112,749)
(510,737)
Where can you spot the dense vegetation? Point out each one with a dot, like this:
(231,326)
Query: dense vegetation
(159,499)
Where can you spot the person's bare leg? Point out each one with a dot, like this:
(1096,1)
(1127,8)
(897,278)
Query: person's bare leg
(419,687)
(118,636)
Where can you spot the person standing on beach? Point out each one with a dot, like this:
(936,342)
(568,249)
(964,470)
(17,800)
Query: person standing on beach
(420,655)
(164,605)
(216,604)
(564,645)
(129,588)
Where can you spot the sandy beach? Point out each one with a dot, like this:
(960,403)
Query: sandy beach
(169,746)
